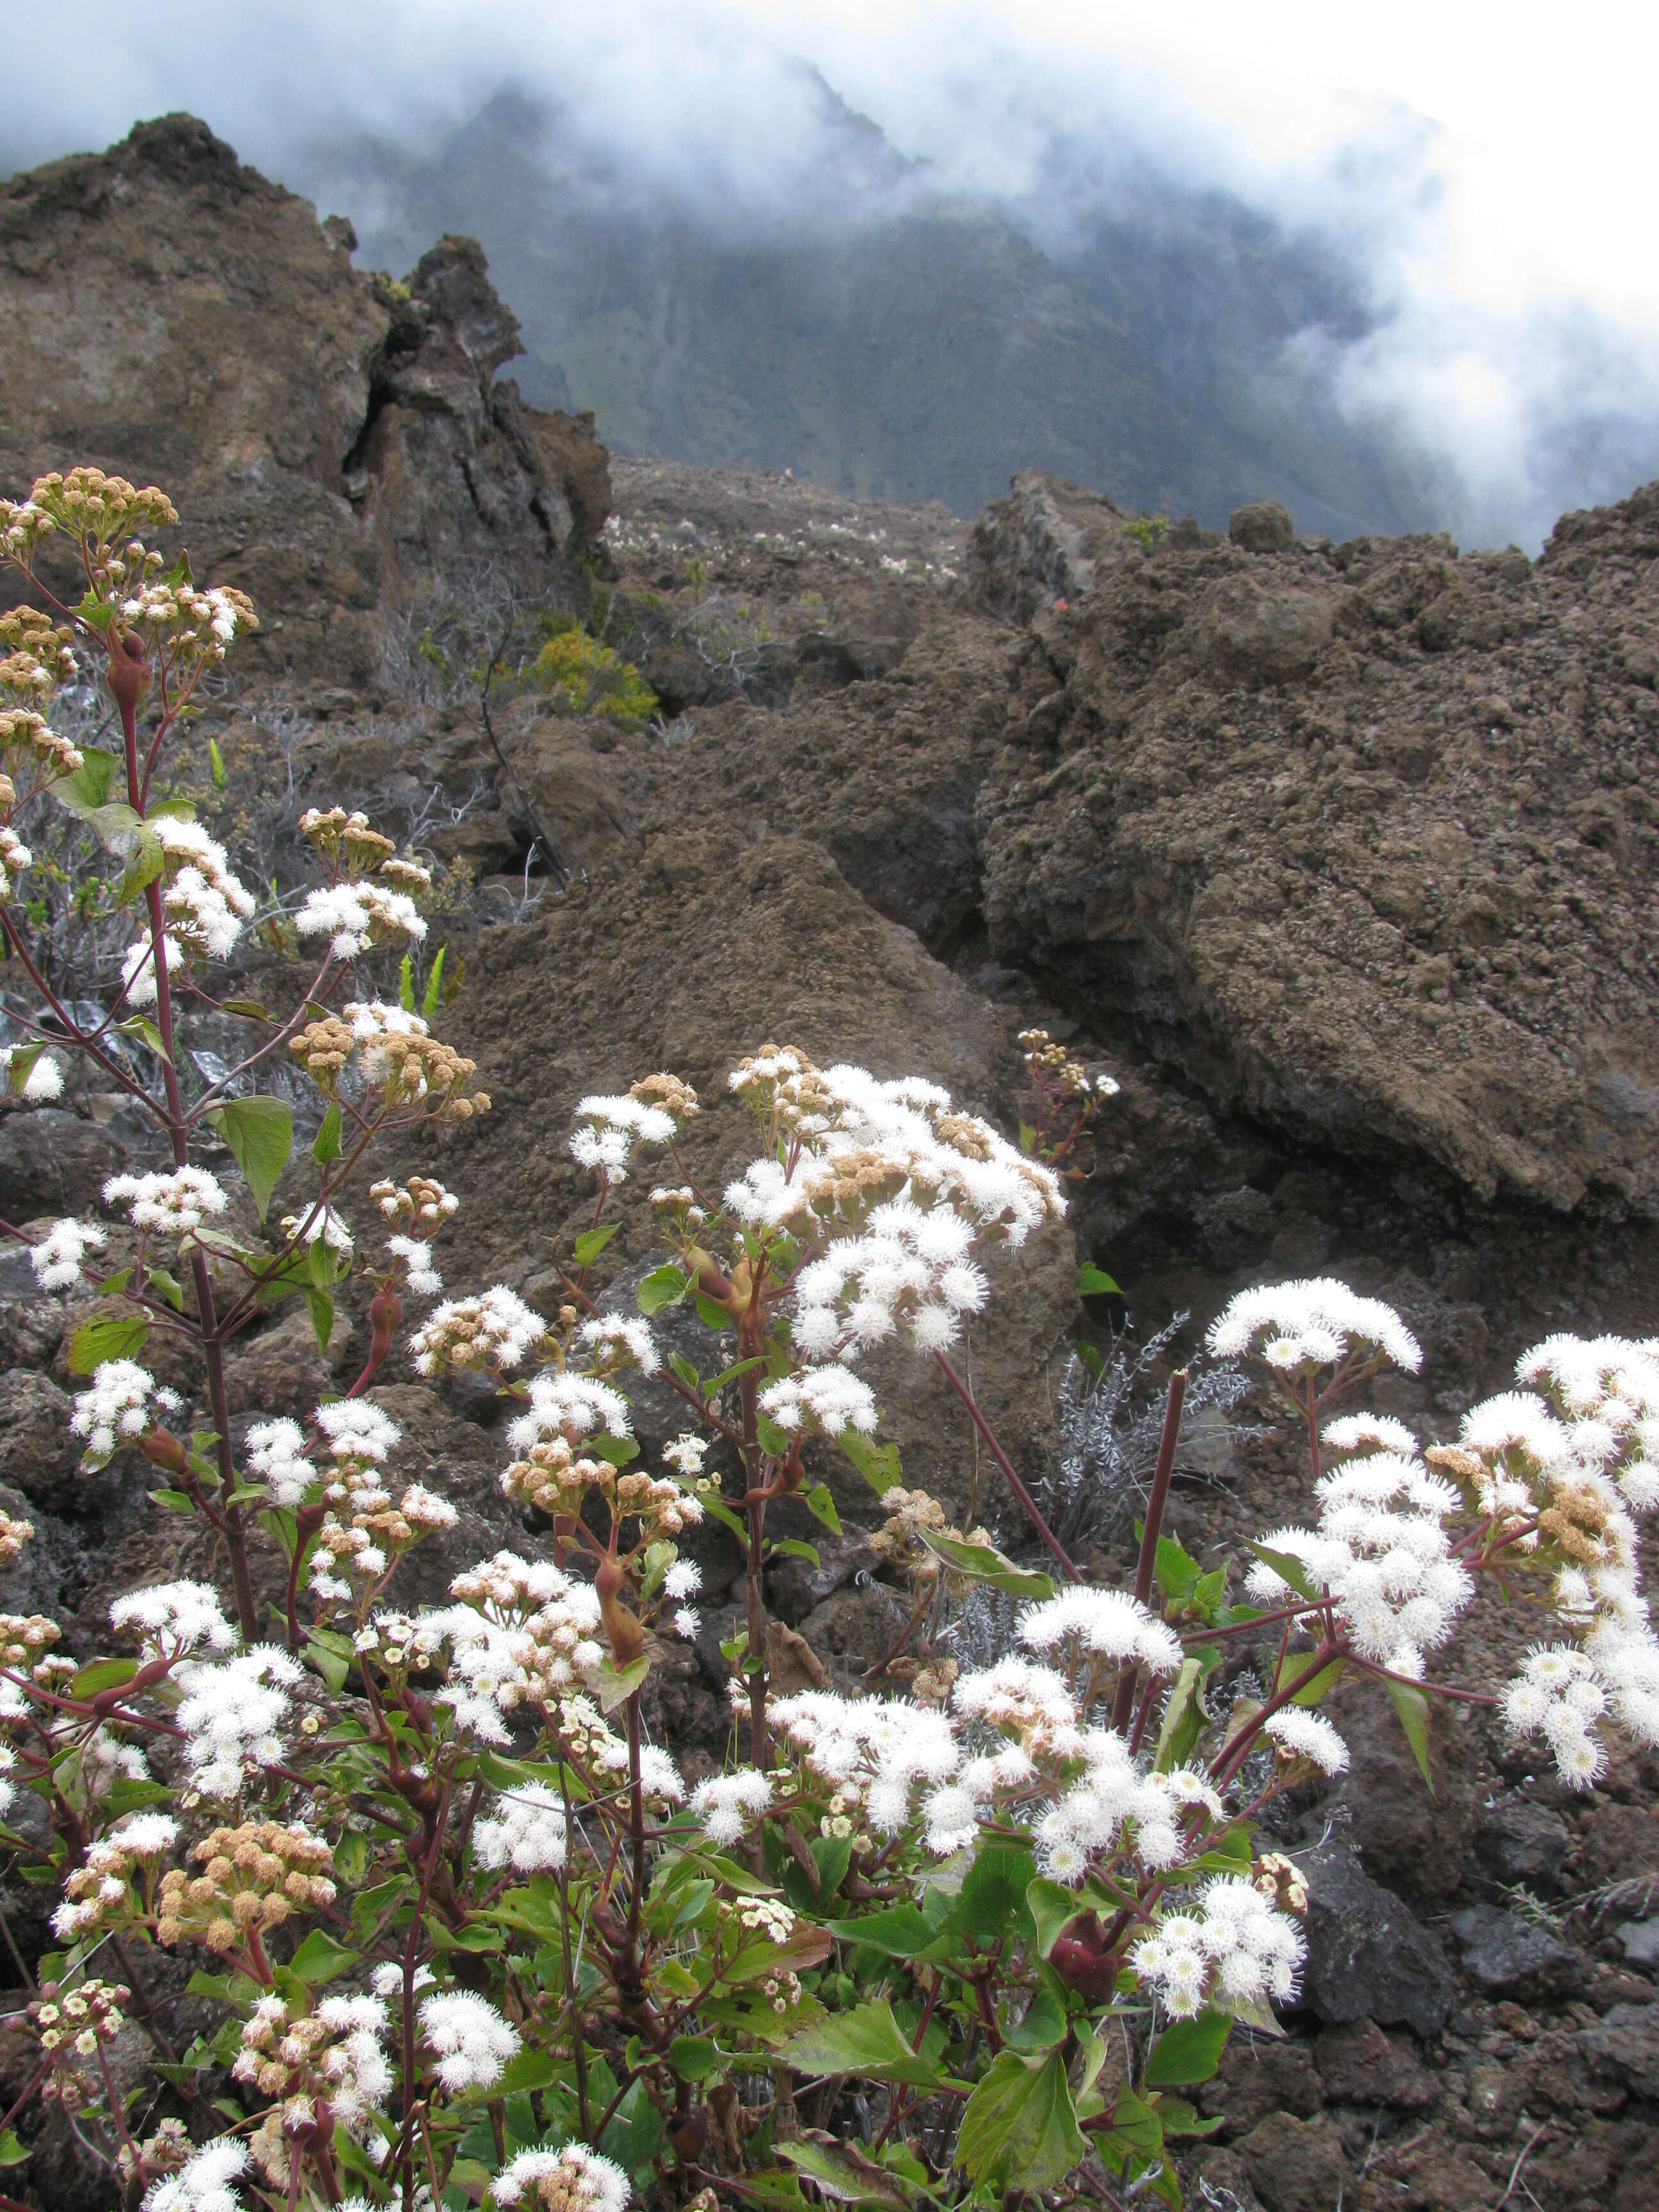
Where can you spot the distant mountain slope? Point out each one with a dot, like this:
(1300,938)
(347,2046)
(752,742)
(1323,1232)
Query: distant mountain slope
(903,342)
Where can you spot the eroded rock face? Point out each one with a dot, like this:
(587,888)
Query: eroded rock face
(1364,835)
(337,442)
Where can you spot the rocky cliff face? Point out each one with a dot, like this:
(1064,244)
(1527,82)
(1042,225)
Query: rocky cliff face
(1343,858)
(336,439)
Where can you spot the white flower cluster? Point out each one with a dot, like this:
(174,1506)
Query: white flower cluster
(574,2180)
(830,1398)
(572,1406)
(618,1338)
(608,1130)
(173,1204)
(1234,1946)
(56,1258)
(16,859)
(43,1083)
(138,968)
(230,1714)
(875,1750)
(1381,1550)
(1112,1794)
(907,1263)
(205,2183)
(468,2037)
(276,1455)
(1108,1624)
(1556,1695)
(520,1631)
(1300,1734)
(492,1332)
(173,1618)
(527,1833)
(420,1268)
(728,1804)
(1314,1323)
(901,1138)
(358,1433)
(98,1886)
(204,903)
(1608,1390)
(355,916)
(116,1407)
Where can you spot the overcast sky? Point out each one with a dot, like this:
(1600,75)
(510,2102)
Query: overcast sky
(1490,169)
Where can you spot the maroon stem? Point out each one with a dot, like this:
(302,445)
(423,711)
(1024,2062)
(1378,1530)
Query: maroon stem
(1146,1567)
(1002,1460)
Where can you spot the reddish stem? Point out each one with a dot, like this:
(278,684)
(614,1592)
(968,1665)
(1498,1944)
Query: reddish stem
(1026,1500)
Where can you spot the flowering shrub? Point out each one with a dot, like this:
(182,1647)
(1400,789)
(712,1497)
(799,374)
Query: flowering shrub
(465,1934)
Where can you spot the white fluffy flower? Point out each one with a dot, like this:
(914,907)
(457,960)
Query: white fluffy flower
(683,1580)
(620,1336)
(420,1269)
(1109,1622)
(1235,1946)
(358,1430)
(830,1398)
(276,1455)
(138,968)
(230,1716)
(174,1203)
(727,1803)
(175,1618)
(1317,1322)
(354,916)
(116,1407)
(579,2179)
(570,1406)
(609,1130)
(205,2183)
(527,1832)
(56,1258)
(469,2038)
(1311,1736)
(495,1330)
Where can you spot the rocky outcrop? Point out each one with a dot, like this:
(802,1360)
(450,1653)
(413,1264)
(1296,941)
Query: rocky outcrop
(1363,836)
(337,441)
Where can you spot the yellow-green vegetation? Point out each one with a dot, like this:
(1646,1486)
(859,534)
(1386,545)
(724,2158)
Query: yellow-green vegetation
(591,679)
(1148,528)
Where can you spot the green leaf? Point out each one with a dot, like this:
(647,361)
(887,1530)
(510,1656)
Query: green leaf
(820,1504)
(102,1675)
(174,1501)
(215,764)
(616,1685)
(900,1930)
(530,2069)
(663,1286)
(330,1665)
(983,1562)
(163,1279)
(260,1134)
(1019,2123)
(712,1316)
(878,1463)
(867,2040)
(88,788)
(792,1548)
(775,1442)
(322,1316)
(1177,1570)
(1043,2026)
(1135,2136)
(844,2176)
(1188,2050)
(1094,1282)
(687,1373)
(319,1958)
(148,859)
(1412,1707)
(12,2153)
(250,1009)
(1183,1716)
(695,2058)
(724,1514)
(992,1906)
(592,1242)
(618,1450)
(142,1027)
(326,1146)
(1287,1569)
(1322,1685)
(95,1341)
(433,997)
(1177,2118)
(406,984)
